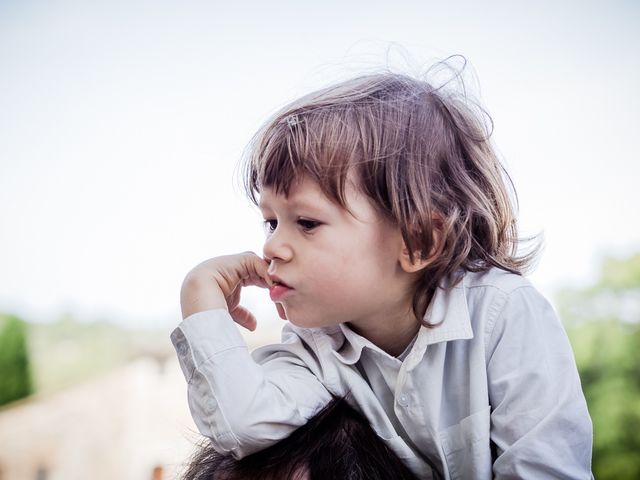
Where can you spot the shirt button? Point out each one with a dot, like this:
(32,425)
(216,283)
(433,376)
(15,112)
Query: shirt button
(403,400)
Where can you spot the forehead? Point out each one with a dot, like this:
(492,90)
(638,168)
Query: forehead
(304,192)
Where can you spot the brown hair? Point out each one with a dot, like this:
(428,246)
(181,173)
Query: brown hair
(421,153)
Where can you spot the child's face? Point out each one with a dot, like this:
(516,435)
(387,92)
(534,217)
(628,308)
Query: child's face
(340,266)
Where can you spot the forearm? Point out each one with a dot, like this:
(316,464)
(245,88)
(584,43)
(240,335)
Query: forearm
(241,405)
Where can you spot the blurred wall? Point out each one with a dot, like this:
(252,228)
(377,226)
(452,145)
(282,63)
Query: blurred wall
(132,423)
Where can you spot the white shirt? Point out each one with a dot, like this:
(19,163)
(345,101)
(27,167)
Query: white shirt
(492,391)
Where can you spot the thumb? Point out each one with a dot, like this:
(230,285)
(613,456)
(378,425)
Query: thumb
(244,317)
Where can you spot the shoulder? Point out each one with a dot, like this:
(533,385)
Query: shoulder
(495,279)
(500,287)
(497,299)
(513,311)
(496,289)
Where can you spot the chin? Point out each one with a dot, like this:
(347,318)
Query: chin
(302,321)
(311,323)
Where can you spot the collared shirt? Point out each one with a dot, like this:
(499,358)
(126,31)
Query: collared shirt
(493,391)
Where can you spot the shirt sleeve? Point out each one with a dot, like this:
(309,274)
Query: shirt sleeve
(540,425)
(245,403)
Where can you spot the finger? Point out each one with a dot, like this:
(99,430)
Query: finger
(244,317)
(256,271)
(233,300)
(255,281)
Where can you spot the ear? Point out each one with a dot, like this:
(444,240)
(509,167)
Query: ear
(421,261)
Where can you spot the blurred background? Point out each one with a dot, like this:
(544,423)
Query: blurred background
(121,125)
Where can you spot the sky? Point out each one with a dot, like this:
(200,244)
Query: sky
(122,124)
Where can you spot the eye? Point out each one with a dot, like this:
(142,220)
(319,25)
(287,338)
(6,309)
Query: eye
(308,225)
(270,225)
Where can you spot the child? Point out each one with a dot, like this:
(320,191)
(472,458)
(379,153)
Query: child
(391,250)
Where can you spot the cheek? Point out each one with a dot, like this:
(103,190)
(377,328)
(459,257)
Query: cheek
(325,275)
(342,276)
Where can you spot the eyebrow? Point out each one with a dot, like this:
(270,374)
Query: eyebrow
(297,203)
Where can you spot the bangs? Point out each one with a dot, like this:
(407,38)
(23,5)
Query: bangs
(355,131)
(320,144)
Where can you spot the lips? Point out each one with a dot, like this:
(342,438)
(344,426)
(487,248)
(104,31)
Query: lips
(278,291)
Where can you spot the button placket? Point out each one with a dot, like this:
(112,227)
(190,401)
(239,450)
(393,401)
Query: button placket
(402,398)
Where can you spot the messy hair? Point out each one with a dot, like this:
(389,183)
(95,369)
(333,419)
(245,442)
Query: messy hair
(421,153)
(338,442)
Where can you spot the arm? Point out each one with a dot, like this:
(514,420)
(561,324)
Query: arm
(540,425)
(242,404)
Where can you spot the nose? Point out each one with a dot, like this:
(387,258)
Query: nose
(276,246)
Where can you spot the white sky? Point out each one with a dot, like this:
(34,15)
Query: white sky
(121,123)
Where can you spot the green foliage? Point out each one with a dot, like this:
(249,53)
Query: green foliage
(604,326)
(621,274)
(42,358)
(15,373)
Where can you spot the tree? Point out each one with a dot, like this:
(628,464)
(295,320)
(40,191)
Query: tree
(15,372)
(603,322)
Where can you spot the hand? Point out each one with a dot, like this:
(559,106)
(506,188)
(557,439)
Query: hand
(216,283)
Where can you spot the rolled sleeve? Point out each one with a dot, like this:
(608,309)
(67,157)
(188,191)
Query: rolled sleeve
(540,424)
(241,402)
(201,336)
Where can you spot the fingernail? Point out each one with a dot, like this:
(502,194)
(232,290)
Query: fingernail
(268,279)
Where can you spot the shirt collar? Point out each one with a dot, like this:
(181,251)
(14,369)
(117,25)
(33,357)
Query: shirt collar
(351,350)
(450,313)
(448,310)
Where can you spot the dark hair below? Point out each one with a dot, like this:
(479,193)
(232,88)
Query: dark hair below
(337,443)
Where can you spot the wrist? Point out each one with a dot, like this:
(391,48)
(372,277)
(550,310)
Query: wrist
(197,296)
